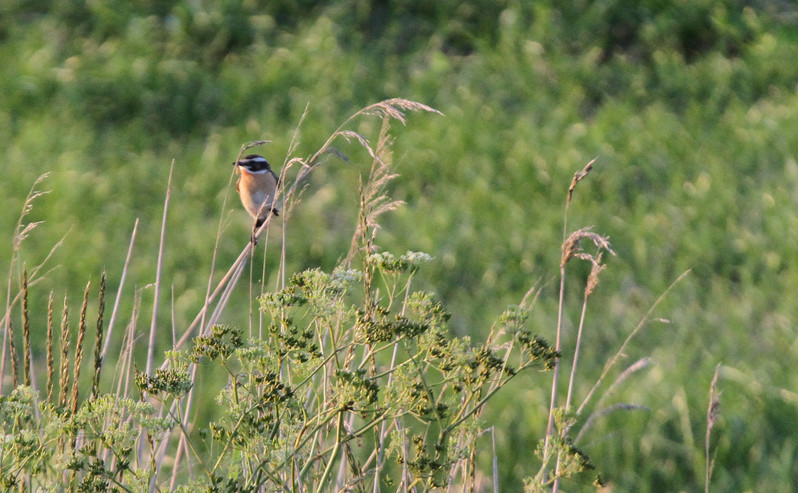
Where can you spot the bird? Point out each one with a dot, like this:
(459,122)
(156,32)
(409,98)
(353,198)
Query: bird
(257,186)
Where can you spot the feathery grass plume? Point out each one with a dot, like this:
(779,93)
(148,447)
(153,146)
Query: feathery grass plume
(395,108)
(373,203)
(571,247)
(50,363)
(373,200)
(25,327)
(98,362)
(390,108)
(21,232)
(79,349)
(63,383)
(713,411)
(579,176)
(592,278)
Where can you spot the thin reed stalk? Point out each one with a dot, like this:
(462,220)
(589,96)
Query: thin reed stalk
(568,248)
(125,361)
(122,279)
(183,444)
(556,370)
(158,272)
(589,288)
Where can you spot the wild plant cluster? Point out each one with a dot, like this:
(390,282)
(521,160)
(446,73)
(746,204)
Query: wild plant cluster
(354,382)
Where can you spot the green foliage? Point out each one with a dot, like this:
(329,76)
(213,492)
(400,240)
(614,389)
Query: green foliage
(689,106)
(48,446)
(329,376)
(170,381)
(299,402)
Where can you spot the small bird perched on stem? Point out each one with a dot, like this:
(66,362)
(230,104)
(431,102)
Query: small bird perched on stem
(257,186)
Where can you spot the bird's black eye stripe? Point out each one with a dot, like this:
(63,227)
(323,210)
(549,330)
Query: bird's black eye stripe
(258,165)
(254,162)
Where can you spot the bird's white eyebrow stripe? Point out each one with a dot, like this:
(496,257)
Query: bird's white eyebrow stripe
(259,172)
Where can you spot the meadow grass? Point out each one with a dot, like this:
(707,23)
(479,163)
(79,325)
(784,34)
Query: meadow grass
(689,109)
(352,381)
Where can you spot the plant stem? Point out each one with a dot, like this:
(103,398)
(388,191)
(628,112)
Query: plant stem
(334,453)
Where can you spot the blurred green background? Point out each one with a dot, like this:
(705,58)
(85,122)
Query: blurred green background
(691,108)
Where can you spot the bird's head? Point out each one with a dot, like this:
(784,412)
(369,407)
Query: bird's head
(254,163)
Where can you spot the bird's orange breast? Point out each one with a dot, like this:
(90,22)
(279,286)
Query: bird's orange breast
(257,192)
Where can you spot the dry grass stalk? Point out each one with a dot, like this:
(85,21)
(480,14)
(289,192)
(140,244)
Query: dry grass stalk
(570,249)
(63,383)
(25,328)
(79,349)
(119,291)
(219,229)
(98,362)
(592,282)
(124,362)
(158,270)
(601,243)
(579,176)
(21,232)
(50,364)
